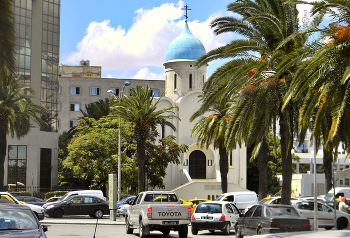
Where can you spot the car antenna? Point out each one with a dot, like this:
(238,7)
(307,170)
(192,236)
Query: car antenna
(95,228)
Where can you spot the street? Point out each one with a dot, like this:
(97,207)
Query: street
(84,227)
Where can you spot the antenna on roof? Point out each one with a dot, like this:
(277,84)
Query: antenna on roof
(186,8)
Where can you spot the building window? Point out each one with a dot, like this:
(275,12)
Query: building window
(74,107)
(346,182)
(341,182)
(115,91)
(73,123)
(45,169)
(231,159)
(175,81)
(88,74)
(154,93)
(95,91)
(17,165)
(75,90)
(190,81)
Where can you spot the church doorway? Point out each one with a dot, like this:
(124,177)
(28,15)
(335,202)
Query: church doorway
(197,165)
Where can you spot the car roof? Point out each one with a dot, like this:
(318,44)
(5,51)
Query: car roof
(220,202)
(10,206)
(248,192)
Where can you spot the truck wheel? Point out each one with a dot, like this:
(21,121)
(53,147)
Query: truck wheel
(58,213)
(183,231)
(194,231)
(142,230)
(166,232)
(129,230)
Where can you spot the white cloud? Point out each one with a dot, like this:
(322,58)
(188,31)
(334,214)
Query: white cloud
(144,44)
(145,73)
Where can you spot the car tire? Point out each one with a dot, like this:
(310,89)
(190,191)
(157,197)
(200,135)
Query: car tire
(238,232)
(183,231)
(259,232)
(328,227)
(227,229)
(58,213)
(166,232)
(129,230)
(194,231)
(342,223)
(98,214)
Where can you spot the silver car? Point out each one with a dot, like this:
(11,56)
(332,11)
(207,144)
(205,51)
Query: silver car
(325,214)
(214,215)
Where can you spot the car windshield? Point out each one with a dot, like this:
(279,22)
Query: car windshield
(209,208)
(265,200)
(219,198)
(281,211)
(18,219)
(329,197)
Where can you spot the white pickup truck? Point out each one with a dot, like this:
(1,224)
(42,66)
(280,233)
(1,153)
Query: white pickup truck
(158,210)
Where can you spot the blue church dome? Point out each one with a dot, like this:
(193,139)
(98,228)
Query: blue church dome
(185,47)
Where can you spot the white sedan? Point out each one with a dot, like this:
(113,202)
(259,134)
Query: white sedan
(214,215)
(325,214)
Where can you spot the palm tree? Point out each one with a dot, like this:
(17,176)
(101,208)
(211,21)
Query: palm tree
(16,112)
(250,74)
(212,129)
(97,109)
(141,110)
(7,35)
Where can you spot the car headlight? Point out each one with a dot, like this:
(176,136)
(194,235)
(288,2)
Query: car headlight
(50,207)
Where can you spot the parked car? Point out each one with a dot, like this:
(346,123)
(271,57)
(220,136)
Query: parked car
(197,201)
(124,205)
(53,199)
(96,193)
(6,197)
(183,202)
(17,220)
(78,205)
(242,200)
(325,214)
(270,218)
(214,215)
(126,200)
(308,234)
(273,200)
(31,200)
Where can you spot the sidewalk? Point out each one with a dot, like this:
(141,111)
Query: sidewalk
(83,220)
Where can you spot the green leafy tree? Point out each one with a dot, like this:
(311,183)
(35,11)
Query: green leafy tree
(265,27)
(212,129)
(7,35)
(16,112)
(141,110)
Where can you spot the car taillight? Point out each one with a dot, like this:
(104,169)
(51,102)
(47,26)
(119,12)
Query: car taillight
(222,218)
(189,212)
(274,224)
(149,212)
(306,224)
(193,218)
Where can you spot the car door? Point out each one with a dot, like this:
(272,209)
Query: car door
(135,209)
(255,220)
(73,206)
(89,205)
(232,213)
(246,219)
(325,217)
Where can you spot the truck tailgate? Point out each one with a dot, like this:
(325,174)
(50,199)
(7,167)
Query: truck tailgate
(170,212)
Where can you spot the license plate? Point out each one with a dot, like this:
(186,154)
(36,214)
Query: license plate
(207,218)
(170,222)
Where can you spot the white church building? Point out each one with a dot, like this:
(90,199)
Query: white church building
(198,174)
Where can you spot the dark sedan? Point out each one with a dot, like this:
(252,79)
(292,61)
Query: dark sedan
(270,218)
(31,200)
(19,221)
(78,205)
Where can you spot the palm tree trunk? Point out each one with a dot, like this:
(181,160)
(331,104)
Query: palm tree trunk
(286,145)
(3,146)
(327,166)
(141,164)
(223,169)
(262,165)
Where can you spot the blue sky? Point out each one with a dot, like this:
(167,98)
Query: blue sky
(129,38)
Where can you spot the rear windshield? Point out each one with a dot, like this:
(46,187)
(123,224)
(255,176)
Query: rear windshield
(281,211)
(209,208)
(154,197)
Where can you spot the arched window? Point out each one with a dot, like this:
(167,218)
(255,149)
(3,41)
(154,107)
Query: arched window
(197,165)
(190,81)
(175,81)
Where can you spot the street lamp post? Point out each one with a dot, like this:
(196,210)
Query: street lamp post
(126,83)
